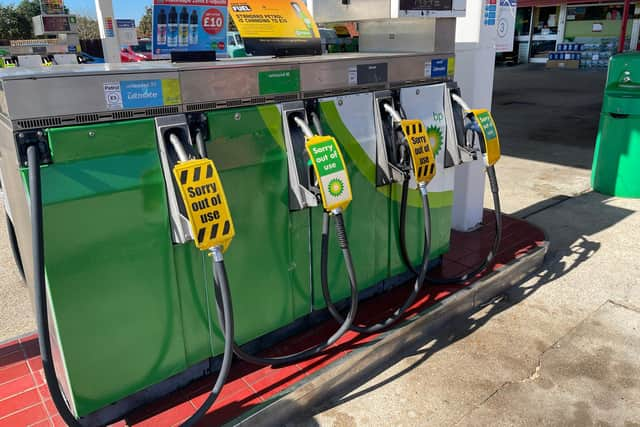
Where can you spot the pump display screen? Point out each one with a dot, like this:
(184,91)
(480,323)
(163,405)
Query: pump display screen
(56,24)
(426,4)
(372,73)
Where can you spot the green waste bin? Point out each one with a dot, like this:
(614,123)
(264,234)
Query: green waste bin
(616,162)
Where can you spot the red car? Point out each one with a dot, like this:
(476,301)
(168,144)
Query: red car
(136,53)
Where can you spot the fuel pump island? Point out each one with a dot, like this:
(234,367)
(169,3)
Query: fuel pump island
(167,215)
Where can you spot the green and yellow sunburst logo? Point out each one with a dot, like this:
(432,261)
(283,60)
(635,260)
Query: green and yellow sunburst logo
(435,137)
(336,187)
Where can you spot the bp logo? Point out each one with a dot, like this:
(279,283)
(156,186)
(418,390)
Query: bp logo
(435,137)
(336,187)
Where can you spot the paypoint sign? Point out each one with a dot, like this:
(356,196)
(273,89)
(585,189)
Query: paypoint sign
(330,169)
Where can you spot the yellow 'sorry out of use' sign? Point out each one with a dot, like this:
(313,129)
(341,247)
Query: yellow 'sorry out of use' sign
(205,202)
(423,159)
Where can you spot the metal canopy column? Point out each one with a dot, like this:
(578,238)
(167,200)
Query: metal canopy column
(108,31)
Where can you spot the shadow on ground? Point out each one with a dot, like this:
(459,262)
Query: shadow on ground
(560,261)
(549,116)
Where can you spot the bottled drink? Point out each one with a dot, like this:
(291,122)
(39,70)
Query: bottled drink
(161,28)
(183,28)
(193,28)
(172,28)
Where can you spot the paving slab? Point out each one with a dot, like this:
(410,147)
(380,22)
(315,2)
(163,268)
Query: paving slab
(591,376)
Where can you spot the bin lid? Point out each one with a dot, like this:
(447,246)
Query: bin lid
(624,68)
(622,92)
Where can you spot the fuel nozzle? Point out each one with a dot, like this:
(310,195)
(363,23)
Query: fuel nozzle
(199,129)
(397,119)
(469,144)
(413,148)
(178,147)
(304,126)
(400,145)
(481,135)
(312,179)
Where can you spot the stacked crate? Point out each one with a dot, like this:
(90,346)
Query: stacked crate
(567,55)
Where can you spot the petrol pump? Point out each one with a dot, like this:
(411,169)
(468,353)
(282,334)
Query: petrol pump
(41,52)
(387,26)
(130,244)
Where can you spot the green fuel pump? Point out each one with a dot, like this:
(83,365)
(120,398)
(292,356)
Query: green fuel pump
(215,244)
(208,221)
(212,227)
(334,190)
(411,152)
(480,136)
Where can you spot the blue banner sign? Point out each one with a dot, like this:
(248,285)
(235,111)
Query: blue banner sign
(189,26)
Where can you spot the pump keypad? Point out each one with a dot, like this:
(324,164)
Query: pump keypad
(206,203)
(424,164)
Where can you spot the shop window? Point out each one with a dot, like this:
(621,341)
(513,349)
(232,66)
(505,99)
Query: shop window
(546,20)
(523,21)
(593,13)
(597,30)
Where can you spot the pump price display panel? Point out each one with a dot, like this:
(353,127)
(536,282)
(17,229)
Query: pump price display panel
(491,146)
(330,169)
(424,165)
(205,202)
(425,4)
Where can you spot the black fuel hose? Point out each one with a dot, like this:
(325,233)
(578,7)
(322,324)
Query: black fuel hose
(488,262)
(224,300)
(42,319)
(346,324)
(417,285)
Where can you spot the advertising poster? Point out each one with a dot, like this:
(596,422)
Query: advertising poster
(505,25)
(127,34)
(52,7)
(276,27)
(189,26)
